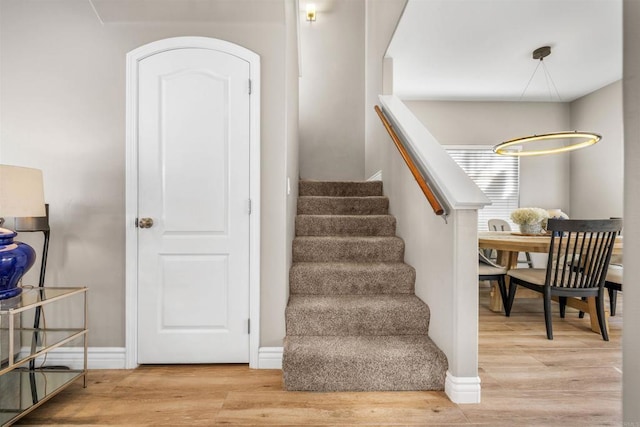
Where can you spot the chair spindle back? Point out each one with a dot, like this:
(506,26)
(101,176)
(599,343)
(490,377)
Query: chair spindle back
(580,251)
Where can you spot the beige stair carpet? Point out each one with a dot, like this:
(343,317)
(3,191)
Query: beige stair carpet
(353,321)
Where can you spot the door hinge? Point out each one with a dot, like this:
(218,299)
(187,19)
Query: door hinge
(248,326)
(249,86)
(249,207)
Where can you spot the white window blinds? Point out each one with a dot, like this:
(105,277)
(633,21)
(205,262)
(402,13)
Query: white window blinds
(498,176)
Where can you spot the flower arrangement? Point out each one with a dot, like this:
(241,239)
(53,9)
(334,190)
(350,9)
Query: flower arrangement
(557,213)
(527,216)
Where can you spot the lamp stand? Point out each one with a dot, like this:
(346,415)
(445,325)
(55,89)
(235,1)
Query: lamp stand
(36,224)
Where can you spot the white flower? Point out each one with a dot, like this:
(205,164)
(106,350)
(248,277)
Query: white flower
(557,213)
(529,215)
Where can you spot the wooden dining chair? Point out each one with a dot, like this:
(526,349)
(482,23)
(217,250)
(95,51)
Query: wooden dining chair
(488,270)
(496,224)
(613,283)
(578,260)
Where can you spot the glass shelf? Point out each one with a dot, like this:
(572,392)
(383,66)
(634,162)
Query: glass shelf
(43,340)
(24,383)
(22,390)
(32,297)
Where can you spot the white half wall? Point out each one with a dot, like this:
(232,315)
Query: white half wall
(444,256)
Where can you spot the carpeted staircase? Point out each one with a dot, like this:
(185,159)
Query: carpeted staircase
(353,321)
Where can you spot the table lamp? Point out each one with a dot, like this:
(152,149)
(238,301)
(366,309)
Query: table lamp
(21,195)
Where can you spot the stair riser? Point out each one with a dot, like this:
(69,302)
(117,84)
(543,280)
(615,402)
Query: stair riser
(326,249)
(336,225)
(357,321)
(343,206)
(354,280)
(410,367)
(340,189)
(379,377)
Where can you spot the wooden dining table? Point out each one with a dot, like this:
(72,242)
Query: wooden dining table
(508,244)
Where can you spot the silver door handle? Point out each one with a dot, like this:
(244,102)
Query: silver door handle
(145,222)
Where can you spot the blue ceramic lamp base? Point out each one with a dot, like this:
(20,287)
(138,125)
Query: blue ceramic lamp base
(16,258)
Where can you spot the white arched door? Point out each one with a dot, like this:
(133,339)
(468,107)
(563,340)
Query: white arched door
(193,146)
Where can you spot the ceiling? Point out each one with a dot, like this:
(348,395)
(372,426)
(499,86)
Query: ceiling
(481,50)
(208,11)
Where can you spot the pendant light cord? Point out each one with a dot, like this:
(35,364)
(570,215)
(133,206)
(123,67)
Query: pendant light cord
(529,82)
(548,78)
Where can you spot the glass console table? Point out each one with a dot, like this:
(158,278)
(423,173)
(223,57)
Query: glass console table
(27,380)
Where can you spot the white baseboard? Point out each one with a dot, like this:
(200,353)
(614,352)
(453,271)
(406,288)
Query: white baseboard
(73,357)
(114,357)
(376,176)
(462,389)
(270,357)
(458,389)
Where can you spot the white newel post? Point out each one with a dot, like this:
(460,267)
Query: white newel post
(462,384)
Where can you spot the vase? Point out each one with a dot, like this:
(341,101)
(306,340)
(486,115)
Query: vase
(16,258)
(535,228)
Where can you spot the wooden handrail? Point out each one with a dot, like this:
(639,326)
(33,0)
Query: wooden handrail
(433,201)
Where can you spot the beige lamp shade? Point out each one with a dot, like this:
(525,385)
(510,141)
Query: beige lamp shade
(21,192)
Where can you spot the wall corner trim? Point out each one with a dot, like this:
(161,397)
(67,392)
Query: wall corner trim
(270,357)
(462,389)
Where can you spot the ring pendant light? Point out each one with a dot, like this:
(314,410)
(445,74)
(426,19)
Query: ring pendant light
(576,138)
(583,139)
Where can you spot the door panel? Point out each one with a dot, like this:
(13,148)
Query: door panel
(193,278)
(202,157)
(182,280)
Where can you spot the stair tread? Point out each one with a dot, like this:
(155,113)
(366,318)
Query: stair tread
(355,265)
(348,238)
(358,363)
(347,216)
(347,302)
(366,344)
(343,198)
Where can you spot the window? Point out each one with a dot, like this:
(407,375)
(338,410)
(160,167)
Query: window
(498,176)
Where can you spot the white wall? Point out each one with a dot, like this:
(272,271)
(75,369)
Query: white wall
(332,92)
(293,20)
(597,171)
(382,19)
(62,78)
(631,91)
(544,181)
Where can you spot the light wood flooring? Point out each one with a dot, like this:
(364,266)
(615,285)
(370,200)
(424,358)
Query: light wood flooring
(574,380)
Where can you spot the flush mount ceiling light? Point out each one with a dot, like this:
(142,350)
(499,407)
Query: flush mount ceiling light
(548,143)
